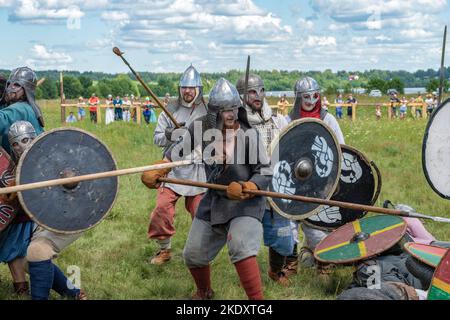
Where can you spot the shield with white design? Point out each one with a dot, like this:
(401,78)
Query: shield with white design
(306,161)
(436,150)
(360,182)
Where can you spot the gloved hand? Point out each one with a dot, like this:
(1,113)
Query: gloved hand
(150,177)
(169,130)
(234,190)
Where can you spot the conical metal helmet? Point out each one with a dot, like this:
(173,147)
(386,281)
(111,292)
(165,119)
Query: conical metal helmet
(224,96)
(191,78)
(27,79)
(255,82)
(306,84)
(20,135)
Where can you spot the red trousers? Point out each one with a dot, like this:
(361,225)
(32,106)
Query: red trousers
(162,218)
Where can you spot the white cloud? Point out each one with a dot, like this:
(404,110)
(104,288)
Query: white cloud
(115,16)
(314,41)
(416,33)
(43,58)
(305,24)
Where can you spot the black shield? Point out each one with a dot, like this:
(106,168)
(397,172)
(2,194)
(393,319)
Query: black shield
(357,184)
(62,153)
(306,161)
(436,150)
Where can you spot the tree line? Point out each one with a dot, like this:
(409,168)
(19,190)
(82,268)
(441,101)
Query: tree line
(84,84)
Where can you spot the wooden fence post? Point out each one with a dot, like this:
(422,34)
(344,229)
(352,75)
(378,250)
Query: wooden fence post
(353,112)
(99,114)
(138,114)
(63,98)
(389,106)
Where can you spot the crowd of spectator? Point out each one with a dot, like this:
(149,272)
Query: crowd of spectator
(117,109)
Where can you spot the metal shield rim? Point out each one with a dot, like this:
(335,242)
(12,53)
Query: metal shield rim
(273,146)
(18,174)
(351,261)
(369,164)
(424,147)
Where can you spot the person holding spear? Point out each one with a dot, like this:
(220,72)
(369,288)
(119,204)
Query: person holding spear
(230,217)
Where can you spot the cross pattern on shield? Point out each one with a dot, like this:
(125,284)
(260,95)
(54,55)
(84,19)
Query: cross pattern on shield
(306,161)
(63,153)
(361,239)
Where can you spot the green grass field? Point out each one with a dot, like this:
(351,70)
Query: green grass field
(113,256)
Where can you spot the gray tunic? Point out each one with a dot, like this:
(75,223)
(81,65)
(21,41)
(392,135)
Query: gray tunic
(191,172)
(215,205)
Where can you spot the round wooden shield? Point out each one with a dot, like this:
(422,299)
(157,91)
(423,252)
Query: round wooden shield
(440,285)
(8,210)
(361,239)
(306,161)
(436,150)
(358,183)
(430,255)
(61,153)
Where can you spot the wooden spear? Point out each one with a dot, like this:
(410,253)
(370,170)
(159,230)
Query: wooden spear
(146,87)
(347,205)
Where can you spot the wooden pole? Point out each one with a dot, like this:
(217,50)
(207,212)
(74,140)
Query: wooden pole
(93,176)
(333,203)
(147,88)
(138,114)
(99,114)
(442,74)
(353,112)
(63,98)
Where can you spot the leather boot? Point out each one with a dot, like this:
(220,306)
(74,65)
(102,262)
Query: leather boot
(276,263)
(207,294)
(291,266)
(161,257)
(21,288)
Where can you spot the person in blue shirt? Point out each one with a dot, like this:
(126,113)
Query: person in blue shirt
(71,118)
(30,241)
(117,102)
(149,111)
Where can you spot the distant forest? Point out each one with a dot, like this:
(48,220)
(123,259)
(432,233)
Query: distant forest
(102,84)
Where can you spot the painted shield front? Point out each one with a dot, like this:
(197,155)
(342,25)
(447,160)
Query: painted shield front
(440,285)
(361,239)
(358,183)
(436,150)
(61,153)
(430,255)
(306,161)
(8,210)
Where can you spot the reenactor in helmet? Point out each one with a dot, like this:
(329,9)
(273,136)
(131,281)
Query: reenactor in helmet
(188,107)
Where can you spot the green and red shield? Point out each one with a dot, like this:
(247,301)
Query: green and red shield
(430,255)
(440,285)
(361,239)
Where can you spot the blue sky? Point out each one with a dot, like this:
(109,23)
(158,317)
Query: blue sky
(165,36)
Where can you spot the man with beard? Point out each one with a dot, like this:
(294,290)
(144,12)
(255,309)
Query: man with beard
(258,115)
(189,106)
(232,217)
(308,105)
